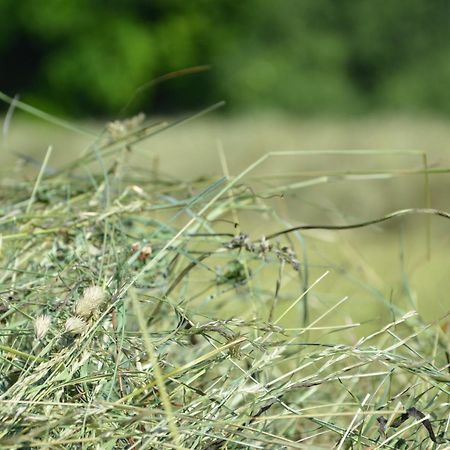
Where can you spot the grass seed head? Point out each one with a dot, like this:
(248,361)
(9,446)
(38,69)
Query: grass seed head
(75,325)
(92,298)
(118,129)
(41,326)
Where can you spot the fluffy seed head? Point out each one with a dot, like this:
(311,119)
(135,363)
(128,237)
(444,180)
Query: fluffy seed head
(75,325)
(41,326)
(92,298)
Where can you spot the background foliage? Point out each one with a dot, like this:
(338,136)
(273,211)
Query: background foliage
(304,56)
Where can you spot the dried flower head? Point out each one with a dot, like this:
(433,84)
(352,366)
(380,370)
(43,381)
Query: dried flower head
(263,246)
(92,298)
(287,255)
(240,241)
(146,252)
(41,326)
(120,128)
(75,325)
(116,129)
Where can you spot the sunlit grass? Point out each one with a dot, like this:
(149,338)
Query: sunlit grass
(208,340)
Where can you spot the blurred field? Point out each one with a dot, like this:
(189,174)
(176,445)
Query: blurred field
(191,151)
(374,266)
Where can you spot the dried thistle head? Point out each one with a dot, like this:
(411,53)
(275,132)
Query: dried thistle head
(41,326)
(75,325)
(120,128)
(91,299)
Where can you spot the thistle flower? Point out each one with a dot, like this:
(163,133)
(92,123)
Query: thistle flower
(92,298)
(41,326)
(75,325)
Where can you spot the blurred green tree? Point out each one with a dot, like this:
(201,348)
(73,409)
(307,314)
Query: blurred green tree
(88,57)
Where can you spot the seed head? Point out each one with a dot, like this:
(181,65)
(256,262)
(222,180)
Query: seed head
(146,252)
(263,246)
(75,325)
(120,128)
(92,298)
(41,326)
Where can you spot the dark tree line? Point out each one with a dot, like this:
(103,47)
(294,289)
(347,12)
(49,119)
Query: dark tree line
(87,57)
